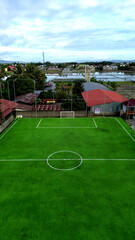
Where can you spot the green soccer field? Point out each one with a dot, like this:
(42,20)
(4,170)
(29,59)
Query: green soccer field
(67,179)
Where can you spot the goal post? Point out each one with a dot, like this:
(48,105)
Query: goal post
(67,114)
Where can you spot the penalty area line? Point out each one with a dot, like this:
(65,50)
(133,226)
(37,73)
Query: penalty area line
(39,123)
(66,127)
(94,122)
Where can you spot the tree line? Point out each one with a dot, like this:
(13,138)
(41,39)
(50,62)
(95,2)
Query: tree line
(22,81)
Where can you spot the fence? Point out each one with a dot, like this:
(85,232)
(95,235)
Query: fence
(56,114)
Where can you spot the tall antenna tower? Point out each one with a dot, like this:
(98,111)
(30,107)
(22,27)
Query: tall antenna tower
(43,59)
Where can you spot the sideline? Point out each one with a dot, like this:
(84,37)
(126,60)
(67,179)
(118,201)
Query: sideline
(125,129)
(8,130)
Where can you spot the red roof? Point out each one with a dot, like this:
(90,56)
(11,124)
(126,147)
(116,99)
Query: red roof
(130,103)
(39,107)
(101,96)
(12,67)
(24,107)
(6,107)
(27,98)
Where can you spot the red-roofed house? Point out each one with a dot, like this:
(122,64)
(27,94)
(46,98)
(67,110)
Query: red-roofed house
(7,107)
(103,101)
(11,68)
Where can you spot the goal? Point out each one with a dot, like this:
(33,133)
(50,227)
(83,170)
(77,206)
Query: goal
(67,114)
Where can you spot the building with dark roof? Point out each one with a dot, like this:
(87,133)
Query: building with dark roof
(27,98)
(88,86)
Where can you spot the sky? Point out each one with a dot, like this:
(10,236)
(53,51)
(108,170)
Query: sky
(65,30)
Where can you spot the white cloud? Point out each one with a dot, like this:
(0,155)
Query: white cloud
(67,26)
(88,3)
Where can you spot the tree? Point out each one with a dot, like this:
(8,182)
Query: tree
(34,73)
(113,85)
(77,104)
(0,97)
(61,96)
(0,110)
(46,95)
(48,64)
(78,88)
(17,85)
(93,79)
(23,82)
(2,71)
(24,86)
(19,69)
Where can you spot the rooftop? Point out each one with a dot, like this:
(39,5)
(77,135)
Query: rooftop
(101,96)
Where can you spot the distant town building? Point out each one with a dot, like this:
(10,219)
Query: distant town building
(114,67)
(11,68)
(66,72)
(42,67)
(53,68)
(110,67)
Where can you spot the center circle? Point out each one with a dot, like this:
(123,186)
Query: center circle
(64,160)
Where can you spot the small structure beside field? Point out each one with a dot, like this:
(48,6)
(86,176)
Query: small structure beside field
(103,101)
(129,107)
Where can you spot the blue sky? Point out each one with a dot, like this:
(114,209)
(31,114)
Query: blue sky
(67,30)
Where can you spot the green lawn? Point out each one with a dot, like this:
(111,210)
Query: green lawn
(93,201)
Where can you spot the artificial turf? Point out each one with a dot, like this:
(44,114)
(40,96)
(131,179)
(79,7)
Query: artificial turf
(93,201)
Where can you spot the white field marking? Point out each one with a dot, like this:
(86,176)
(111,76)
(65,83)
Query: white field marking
(67,127)
(42,160)
(21,160)
(64,169)
(125,129)
(39,123)
(90,159)
(8,130)
(94,122)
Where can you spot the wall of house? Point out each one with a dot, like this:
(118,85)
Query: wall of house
(107,108)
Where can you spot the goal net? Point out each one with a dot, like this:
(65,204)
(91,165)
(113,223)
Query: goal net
(67,114)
